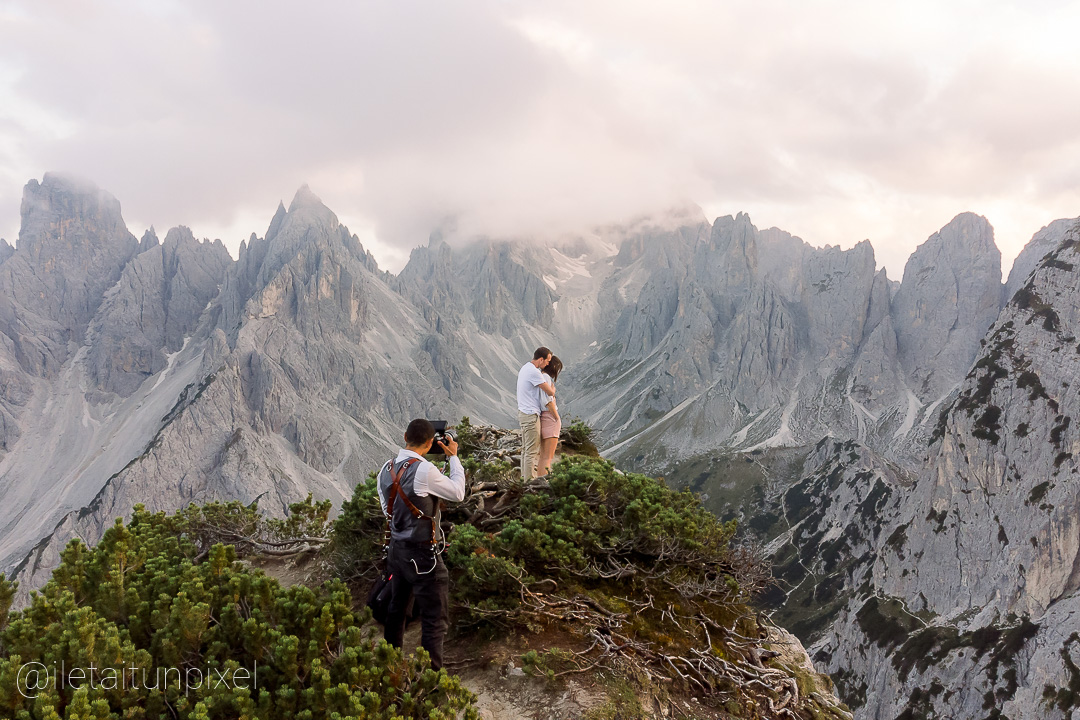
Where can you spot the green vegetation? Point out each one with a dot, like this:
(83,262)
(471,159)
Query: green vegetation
(1027,299)
(897,540)
(578,438)
(886,622)
(939,518)
(622,703)
(920,645)
(1000,358)
(1056,433)
(600,571)
(850,688)
(988,370)
(816,568)
(920,704)
(468,439)
(731,487)
(591,523)
(930,645)
(987,425)
(154,599)
(593,570)
(1029,380)
(1068,697)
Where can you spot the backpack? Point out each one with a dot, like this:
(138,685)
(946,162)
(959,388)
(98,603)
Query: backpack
(378,600)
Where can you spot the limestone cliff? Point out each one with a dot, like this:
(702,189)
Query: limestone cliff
(963,604)
(906,448)
(950,294)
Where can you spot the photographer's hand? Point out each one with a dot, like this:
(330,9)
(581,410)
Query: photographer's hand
(449,448)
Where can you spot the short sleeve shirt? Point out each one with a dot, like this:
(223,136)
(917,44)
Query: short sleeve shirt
(528,396)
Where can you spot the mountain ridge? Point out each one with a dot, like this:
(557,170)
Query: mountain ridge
(181,375)
(468,341)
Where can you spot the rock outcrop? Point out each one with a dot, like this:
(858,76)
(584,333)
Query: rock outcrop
(745,338)
(970,604)
(72,247)
(155,305)
(1041,243)
(950,294)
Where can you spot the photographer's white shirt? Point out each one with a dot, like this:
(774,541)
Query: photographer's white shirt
(429,481)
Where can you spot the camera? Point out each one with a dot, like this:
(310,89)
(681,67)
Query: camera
(441,433)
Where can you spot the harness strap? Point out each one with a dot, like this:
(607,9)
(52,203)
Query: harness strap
(395,491)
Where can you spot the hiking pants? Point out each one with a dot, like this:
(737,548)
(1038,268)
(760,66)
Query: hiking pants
(530,445)
(420,574)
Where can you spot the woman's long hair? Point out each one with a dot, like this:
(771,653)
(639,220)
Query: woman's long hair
(554,367)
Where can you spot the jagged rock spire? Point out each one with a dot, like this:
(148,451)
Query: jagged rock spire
(950,294)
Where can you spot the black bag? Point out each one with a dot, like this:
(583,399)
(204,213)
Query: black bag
(381,594)
(379,598)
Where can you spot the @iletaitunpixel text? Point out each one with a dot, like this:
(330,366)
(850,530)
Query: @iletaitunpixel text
(35,677)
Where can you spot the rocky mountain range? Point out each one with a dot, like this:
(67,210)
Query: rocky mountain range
(951,585)
(904,449)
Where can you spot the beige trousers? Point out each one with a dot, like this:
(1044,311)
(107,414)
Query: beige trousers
(530,444)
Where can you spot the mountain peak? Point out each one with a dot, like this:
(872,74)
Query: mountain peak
(64,182)
(966,242)
(305,210)
(971,231)
(63,212)
(275,222)
(149,240)
(61,196)
(735,234)
(304,198)
(437,238)
(1042,242)
(75,245)
(181,234)
(950,293)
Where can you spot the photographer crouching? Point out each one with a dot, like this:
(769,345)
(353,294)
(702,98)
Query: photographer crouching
(410,488)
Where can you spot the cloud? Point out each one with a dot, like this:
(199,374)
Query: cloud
(837,121)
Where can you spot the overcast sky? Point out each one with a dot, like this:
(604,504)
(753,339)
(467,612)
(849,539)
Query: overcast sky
(836,121)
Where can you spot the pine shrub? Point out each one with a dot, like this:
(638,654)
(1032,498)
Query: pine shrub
(148,601)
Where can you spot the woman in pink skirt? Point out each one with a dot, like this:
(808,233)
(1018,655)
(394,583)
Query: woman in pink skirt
(550,422)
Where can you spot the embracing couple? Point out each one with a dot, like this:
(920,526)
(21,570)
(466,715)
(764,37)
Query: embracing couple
(538,413)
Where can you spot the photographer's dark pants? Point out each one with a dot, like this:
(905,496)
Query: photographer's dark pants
(418,569)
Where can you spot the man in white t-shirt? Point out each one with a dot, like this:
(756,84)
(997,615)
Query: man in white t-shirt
(529,382)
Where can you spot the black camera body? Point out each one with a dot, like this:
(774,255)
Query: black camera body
(441,433)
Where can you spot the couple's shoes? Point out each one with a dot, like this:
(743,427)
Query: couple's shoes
(538,481)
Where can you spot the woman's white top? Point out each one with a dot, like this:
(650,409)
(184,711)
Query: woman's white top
(544,397)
